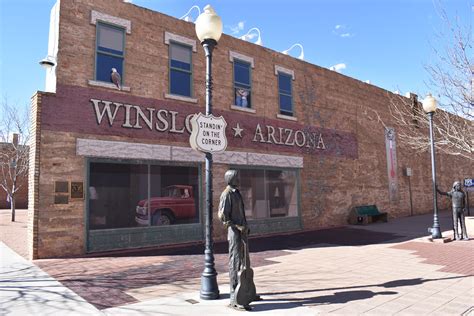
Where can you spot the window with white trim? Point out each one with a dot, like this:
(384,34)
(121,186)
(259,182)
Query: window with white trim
(242,84)
(110,51)
(285,94)
(181,73)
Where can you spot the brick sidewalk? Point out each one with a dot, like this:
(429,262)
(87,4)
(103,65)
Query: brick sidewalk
(13,234)
(105,282)
(377,269)
(455,257)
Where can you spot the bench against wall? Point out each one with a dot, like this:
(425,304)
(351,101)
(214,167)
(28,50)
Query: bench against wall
(366,214)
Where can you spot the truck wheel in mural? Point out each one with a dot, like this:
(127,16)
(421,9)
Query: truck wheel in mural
(162,217)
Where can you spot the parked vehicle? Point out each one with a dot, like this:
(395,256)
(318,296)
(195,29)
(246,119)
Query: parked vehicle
(177,203)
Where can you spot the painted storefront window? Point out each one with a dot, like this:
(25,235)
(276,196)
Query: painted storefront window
(269,193)
(125,195)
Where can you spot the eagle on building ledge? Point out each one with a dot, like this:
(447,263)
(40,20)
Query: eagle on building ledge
(115,78)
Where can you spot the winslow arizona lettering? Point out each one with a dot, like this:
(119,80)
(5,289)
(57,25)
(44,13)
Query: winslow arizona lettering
(162,120)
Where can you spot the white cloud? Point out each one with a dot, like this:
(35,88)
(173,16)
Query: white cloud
(342,31)
(235,29)
(338,67)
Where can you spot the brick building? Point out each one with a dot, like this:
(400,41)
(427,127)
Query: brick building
(113,169)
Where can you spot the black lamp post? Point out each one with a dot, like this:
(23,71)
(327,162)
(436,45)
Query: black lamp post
(209,31)
(429,106)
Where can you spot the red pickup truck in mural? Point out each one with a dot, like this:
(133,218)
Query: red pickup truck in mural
(176,204)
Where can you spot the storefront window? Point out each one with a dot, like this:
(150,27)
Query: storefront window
(137,195)
(174,195)
(269,193)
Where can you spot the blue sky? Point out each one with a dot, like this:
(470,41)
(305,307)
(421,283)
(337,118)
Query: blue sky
(385,41)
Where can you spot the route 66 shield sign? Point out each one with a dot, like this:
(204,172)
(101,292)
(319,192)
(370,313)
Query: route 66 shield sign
(208,133)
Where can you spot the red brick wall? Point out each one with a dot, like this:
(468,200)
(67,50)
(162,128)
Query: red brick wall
(332,181)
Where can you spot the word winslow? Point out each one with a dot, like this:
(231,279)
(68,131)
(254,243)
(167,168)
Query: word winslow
(135,117)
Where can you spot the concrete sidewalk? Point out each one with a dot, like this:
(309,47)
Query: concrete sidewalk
(401,273)
(27,290)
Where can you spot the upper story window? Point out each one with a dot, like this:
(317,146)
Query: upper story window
(242,84)
(180,69)
(242,76)
(110,51)
(285,94)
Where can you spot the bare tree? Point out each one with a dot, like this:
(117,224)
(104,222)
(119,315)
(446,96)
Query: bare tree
(454,134)
(14,152)
(451,81)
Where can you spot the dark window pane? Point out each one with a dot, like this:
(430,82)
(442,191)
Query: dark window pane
(180,65)
(180,56)
(115,191)
(252,189)
(268,193)
(243,86)
(180,53)
(281,188)
(104,66)
(180,83)
(118,195)
(284,83)
(241,73)
(285,103)
(108,50)
(110,38)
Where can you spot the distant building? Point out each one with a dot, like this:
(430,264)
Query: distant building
(113,169)
(21,199)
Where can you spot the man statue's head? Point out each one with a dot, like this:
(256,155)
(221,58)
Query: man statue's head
(231,177)
(457,186)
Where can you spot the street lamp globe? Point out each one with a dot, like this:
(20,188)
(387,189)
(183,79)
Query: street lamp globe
(429,104)
(208,25)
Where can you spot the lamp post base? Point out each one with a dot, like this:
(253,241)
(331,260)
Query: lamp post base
(435,232)
(209,287)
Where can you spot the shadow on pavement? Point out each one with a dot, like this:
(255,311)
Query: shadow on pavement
(390,284)
(340,236)
(336,298)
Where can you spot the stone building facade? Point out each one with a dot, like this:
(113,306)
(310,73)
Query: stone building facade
(104,161)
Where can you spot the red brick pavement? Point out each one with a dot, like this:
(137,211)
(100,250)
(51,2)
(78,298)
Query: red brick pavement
(454,257)
(14,234)
(104,281)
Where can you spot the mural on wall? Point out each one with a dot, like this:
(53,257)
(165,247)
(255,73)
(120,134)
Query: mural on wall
(391,151)
(99,113)
(320,186)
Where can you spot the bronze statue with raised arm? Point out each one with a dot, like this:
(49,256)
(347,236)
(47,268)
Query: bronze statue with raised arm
(458,199)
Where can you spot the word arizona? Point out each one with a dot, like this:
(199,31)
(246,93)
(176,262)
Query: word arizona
(288,137)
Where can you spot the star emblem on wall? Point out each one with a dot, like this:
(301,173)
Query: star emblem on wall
(237,131)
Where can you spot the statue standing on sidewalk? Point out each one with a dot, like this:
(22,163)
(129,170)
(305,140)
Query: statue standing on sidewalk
(458,198)
(232,214)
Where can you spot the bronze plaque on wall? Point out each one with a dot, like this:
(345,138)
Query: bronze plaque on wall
(61,187)
(77,190)
(61,199)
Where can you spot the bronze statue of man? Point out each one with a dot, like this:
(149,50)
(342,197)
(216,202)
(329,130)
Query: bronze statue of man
(458,199)
(232,214)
